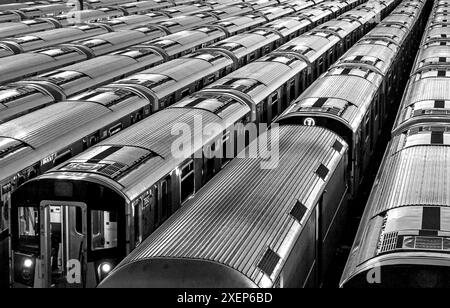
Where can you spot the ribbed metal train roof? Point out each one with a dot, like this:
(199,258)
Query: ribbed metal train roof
(433,52)
(46,124)
(384,53)
(399,18)
(103,64)
(270,74)
(156,135)
(245,209)
(416,175)
(358,91)
(430,88)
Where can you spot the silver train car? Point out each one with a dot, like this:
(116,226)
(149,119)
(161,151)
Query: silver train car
(234,233)
(209,64)
(359,113)
(241,95)
(403,239)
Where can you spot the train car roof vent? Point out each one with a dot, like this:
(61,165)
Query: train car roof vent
(113,169)
(322,171)
(269,261)
(298,211)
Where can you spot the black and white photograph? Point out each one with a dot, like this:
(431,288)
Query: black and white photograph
(224,146)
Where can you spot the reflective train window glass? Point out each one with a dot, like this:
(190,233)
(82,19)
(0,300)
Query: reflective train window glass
(28,227)
(103,230)
(274,105)
(187,181)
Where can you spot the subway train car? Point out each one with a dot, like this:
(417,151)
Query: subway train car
(248,237)
(241,97)
(404,239)
(206,66)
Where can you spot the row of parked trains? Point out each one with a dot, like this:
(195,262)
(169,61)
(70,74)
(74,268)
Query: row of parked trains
(249,40)
(101,113)
(102,9)
(279,226)
(103,14)
(247,226)
(404,235)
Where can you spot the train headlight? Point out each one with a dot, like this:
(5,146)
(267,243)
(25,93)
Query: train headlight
(103,269)
(28,263)
(106,268)
(24,267)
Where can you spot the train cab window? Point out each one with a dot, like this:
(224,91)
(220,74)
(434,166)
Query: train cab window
(187,181)
(28,228)
(103,230)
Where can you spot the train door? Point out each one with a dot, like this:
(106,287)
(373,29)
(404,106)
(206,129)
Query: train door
(64,245)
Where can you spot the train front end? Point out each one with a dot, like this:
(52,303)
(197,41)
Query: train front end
(411,251)
(67,231)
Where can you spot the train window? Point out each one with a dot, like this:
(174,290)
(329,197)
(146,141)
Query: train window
(226,157)
(292,95)
(137,222)
(79,220)
(115,129)
(28,220)
(185,92)
(3,221)
(252,57)
(211,78)
(147,200)
(165,200)
(187,181)
(63,157)
(321,65)
(367,128)
(103,230)
(274,99)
